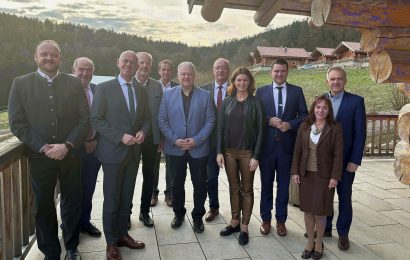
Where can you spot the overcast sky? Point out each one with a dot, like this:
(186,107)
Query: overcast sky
(159,19)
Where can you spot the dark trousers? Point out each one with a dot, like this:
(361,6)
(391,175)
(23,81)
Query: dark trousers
(240,183)
(168,177)
(213,173)
(344,191)
(197,168)
(149,153)
(276,163)
(44,173)
(119,184)
(90,165)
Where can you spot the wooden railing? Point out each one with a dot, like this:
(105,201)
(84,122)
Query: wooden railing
(381,135)
(16,201)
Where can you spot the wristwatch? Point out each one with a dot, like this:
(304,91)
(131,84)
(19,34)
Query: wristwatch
(68,145)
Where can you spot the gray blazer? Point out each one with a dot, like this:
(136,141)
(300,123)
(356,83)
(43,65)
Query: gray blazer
(111,119)
(199,125)
(154,92)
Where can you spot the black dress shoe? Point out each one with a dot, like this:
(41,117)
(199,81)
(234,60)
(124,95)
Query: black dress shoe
(91,230)
(316,255)
(177,222)
(72,255)
(148,222)
(343,243)
(306,254)
(198,225)
(229,230)
(243,238)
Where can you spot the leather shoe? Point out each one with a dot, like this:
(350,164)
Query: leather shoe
(113,253)
(198,225)
(243,238)
(177,222)
(168,200)
(265,227)
(316,255)
(148,222)
(343,243)
(306,254)
(212,213)
(129,242)
(72,255)
(281,229)
(91,230)
(154,200)
(229,230)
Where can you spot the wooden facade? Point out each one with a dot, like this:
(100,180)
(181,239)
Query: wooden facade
(323,54)
(349,51)
(265,56)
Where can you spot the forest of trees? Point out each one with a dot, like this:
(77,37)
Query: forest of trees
(20,35)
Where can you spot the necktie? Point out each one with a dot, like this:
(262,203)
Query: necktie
(280,103)
(219,99)
(131,101)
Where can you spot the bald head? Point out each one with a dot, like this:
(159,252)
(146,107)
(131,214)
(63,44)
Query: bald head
(83,68)
(221,70)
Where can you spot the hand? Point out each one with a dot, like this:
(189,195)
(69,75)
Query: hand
(45,148)
(285,126)
(90,146)
(220,160)
(275,121)
(332,184)
(181,143)
(253,164)
(190,143)
(128,139)
(351,167)
(57,151)
(139,137)
(296,178)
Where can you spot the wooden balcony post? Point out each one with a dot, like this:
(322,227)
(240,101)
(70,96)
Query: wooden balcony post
(7,215)
(16,202)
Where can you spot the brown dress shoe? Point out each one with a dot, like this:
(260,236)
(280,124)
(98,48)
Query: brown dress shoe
(130,242)
(281,229)
(168,200)
(113,253)
(154,200)
(212,213)
(343,243)
(265,227)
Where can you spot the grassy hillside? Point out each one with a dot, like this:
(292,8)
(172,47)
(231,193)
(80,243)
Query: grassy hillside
(377,96)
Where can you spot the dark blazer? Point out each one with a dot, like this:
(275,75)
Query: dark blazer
(329,151)
(154,92)
(294,113)
(111,119)
(39,114)
(352,117)
(199,125)
(174,84)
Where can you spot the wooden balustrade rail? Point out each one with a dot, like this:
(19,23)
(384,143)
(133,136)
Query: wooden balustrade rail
(16,201)
(381,135)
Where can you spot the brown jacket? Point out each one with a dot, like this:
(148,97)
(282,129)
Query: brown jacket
(329,151)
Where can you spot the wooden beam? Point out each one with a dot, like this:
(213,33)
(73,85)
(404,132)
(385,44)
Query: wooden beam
(266,11)
(212,10)
(361,13)
(390,66)
(375,40)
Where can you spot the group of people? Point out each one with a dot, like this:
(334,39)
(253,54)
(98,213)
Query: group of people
(72,128)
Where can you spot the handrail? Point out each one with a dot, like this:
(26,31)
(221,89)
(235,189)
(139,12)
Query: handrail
(381,135)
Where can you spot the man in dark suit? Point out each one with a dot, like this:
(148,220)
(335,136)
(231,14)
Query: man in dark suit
(217,90)
(48,112)
(121,117)
(186,119)
(285,109)
(349,110)
(165,70)
(150,154)
(83,68)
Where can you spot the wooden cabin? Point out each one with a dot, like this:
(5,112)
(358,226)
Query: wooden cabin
(265,56)
(349,51)
(322,54)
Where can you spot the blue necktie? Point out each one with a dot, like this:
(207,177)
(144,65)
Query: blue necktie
(131,101)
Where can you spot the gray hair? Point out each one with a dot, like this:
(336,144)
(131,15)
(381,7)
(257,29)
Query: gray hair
(143,53)
(85,58)
(339,69)
(187,64)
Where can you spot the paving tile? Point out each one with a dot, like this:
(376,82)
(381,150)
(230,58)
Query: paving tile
(369,216)
(403,193)
(391,251)
(401,216)
(401,203)
(398,233)
(294,241)
(169,236)
(92,244)
(267,247)
(366,235)
(383,184)
(371,201)
(327,255)
(190,251)
(93,256)
(146,235)
(355,252)
(376,191)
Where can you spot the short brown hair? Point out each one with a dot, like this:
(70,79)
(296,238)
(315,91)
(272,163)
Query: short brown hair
(280,61)
(166,61)
(241,70)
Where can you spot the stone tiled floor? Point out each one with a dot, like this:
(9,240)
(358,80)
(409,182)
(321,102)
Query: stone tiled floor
(380,229)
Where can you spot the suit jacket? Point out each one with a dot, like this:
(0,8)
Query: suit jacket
(39,114)
(329,151)
(154,92)
(111,119)
(199,125)
(174,84)
(294,113)
(352,117)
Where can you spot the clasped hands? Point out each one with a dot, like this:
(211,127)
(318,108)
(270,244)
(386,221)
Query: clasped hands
(128,139)
(332,182)
(185,144)
(253,163)
(55,151)
(279,124)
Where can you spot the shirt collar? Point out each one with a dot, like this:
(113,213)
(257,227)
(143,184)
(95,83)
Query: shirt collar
(336,97)
(276,85)
(42,74)
(144,84)
(122,81)
(168,85)
(224,86)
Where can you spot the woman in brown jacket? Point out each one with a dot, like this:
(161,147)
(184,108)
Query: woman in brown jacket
(317,168)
